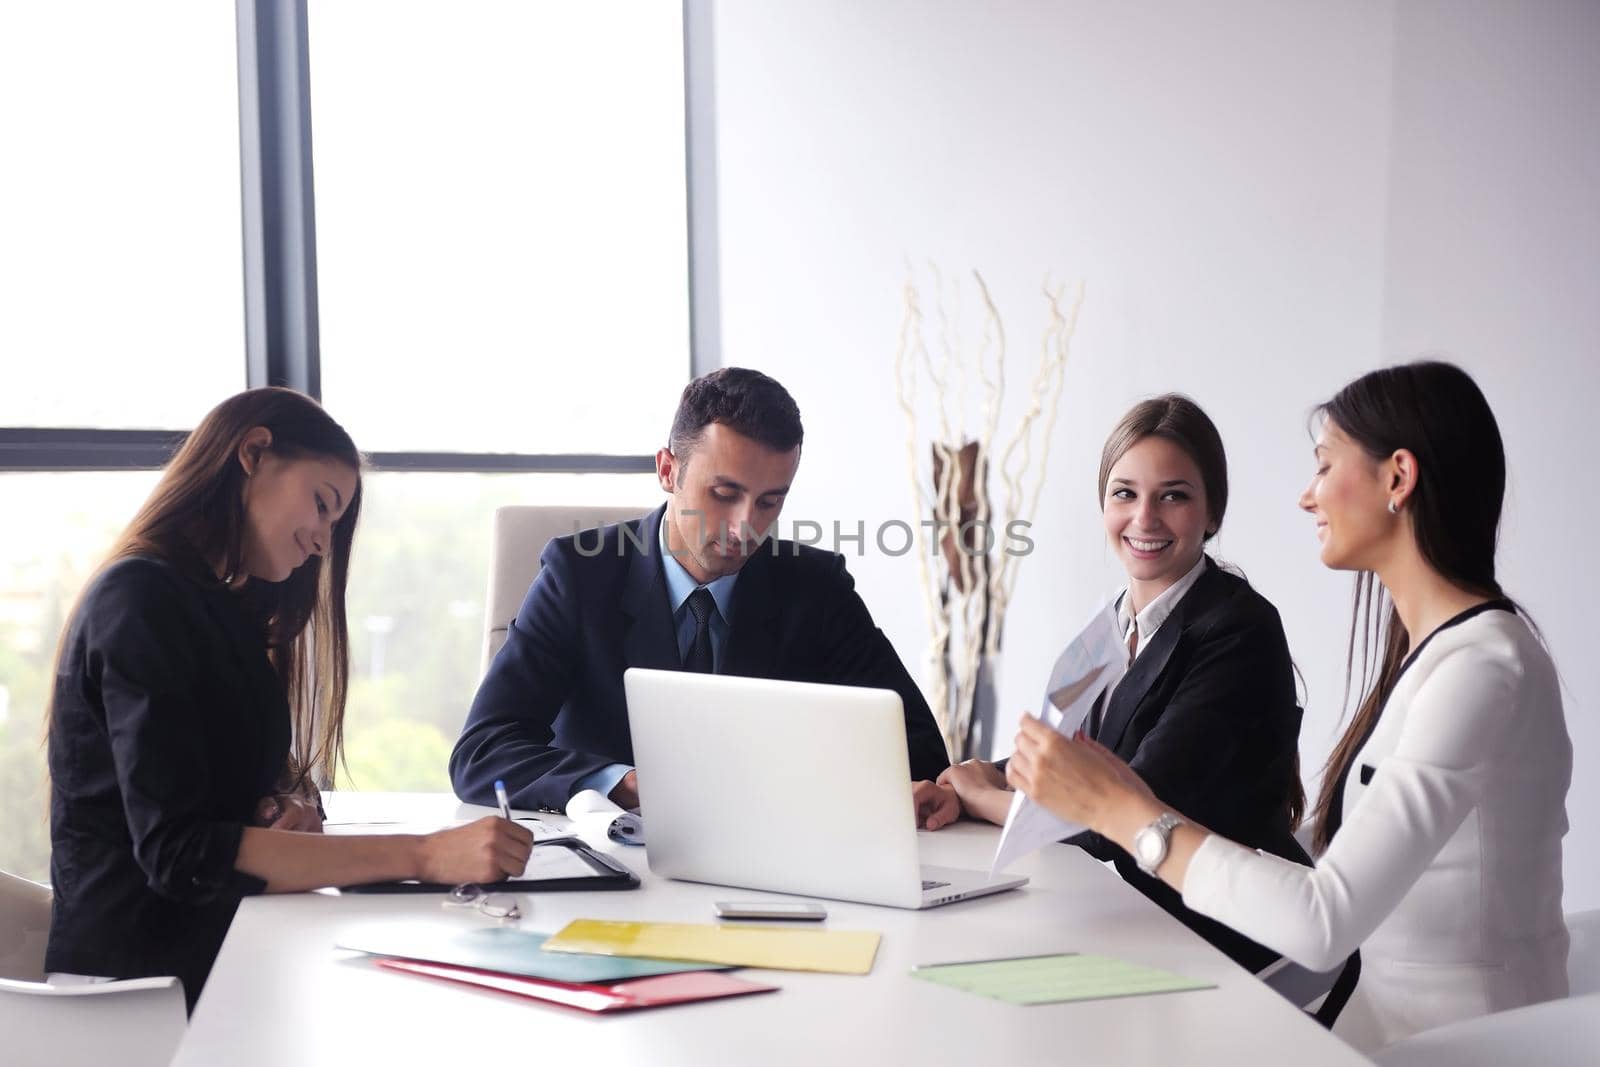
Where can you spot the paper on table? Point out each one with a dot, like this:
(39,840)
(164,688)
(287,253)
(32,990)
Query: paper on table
(543,863)
(505,949)
(540,827)
(549,862)
(1092,662)
(594,814)
(778,948)
(1054,979)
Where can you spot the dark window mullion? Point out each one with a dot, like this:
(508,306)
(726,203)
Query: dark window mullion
(510,463)
(280,252)
(70,449)
(75,449)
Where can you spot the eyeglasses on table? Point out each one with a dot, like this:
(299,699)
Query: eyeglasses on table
(494,905)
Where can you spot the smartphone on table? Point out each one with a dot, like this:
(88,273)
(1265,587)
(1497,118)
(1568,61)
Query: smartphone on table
(803,910)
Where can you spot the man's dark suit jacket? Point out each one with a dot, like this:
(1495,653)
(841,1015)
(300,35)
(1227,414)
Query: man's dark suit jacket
(1208,717)
(551,710)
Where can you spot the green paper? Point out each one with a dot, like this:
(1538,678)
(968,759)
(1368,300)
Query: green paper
(508,950)
(1056,979)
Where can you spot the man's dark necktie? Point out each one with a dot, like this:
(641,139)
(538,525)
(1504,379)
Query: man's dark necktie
(701,606)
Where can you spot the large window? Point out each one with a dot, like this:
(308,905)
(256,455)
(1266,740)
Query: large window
(485,277)
(416,608)
(57,529)
(119,212)
(500,218)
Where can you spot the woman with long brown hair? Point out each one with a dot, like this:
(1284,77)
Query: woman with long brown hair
(199,694)
(1206,711)
(1443,805)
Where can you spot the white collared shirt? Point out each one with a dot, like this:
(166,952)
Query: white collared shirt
(1149,620)
(1155,613)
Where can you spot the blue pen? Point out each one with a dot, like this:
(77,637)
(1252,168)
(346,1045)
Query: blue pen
(505,801)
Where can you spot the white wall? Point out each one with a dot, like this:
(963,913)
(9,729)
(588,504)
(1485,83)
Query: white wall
(1493,259)
(1230,182)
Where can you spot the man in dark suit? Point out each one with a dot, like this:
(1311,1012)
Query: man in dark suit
(697,584)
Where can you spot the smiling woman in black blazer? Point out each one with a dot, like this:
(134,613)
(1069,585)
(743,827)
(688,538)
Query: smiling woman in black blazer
(199,688)
(1207,712)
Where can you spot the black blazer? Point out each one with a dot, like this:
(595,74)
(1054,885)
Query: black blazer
(1208,716)
(169,725)
(551,709)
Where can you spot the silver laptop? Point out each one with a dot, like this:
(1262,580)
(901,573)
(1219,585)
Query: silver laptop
(783,786)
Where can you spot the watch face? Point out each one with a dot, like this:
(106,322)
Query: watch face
(1148,847)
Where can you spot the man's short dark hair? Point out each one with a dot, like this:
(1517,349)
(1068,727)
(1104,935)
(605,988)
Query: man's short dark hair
(745,401)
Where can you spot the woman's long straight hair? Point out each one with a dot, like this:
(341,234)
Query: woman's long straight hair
(1437,412)
(195,519)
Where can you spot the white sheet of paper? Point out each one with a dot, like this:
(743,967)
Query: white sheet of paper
(541,828)
(542,862)
(598,817)
(1092,662)
(553,861)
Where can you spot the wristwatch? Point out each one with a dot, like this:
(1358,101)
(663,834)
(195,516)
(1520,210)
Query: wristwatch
(1150,844)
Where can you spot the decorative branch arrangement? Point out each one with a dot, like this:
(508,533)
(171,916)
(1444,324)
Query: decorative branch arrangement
(967,597)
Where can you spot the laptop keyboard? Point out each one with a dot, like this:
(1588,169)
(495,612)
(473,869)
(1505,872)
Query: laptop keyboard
(927,885)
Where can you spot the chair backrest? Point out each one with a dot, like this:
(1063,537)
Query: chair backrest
(1583,954)
(519,536)
(24,927)
(1553,1034)
(134,1023)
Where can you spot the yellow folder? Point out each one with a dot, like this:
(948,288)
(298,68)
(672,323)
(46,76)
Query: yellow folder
(780,948)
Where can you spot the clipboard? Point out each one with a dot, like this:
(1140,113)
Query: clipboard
(602,873)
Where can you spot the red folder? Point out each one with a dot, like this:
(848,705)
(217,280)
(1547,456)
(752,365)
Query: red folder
(633,993)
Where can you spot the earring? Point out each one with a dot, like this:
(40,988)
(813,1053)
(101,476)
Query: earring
(1394,509)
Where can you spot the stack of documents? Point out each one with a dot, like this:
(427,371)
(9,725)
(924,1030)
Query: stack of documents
(603,966)
(512,960)
(506,949)
(594,996)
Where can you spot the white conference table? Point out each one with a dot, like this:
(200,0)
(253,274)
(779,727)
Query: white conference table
(281,993)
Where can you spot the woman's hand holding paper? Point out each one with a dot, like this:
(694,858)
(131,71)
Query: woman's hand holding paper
(1080,781)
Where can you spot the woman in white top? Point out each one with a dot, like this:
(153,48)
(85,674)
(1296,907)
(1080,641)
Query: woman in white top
(1439,828)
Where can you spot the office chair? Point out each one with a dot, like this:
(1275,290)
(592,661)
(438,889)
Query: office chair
(24,927)
(136,1022)
(518,538)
